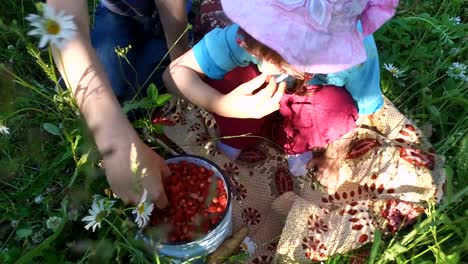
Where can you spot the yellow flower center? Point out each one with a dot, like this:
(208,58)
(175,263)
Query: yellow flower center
(52,27)
(141,208)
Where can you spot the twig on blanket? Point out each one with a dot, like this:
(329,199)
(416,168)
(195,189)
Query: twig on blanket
(229,246)
(250,136)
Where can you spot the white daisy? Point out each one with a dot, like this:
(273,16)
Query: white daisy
(97,213)
(393,70)
(4,130)
(457,71)
(52,27)
(53,223)
(143,211)
(248,246)
(455,20)
(38,199)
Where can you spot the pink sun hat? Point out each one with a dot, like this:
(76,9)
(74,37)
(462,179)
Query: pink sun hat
(315,36)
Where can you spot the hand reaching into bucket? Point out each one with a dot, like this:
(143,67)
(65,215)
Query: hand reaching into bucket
(132,167)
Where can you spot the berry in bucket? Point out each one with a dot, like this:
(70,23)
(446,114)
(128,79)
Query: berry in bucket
(198,201)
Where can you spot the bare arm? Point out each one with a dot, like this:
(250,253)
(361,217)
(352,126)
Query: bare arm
(113,133)
(183,77)
(174,21)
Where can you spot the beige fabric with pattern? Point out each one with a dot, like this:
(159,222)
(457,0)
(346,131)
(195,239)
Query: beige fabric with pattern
(389,174)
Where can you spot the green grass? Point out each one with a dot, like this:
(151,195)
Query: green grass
(49,153)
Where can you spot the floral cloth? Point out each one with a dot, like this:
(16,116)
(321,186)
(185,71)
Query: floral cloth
(390,173)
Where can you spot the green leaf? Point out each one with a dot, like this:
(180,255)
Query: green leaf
(392,253)
(449,173)
(375,247)
(144,103)
(140,123)
(158,129)
(163,98)
(434,111)
(153,92)
(441,258)
(51,128)
(83,160)
(23,233)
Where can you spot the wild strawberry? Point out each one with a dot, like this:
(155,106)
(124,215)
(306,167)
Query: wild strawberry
(212,209)
(188,188)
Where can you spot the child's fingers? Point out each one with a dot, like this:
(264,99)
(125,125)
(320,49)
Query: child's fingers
(252,85)
(270,98)
(279,92)
(165,171)
(160,200)
(269,90)
(273,103)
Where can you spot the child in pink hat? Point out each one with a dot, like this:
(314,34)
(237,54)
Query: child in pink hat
(313,49)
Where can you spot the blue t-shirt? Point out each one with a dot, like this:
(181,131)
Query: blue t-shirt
(218,53)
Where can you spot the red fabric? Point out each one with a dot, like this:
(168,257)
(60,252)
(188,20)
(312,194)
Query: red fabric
(315,120)
(237,126)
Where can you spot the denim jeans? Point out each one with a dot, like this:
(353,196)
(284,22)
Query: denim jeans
(112,30)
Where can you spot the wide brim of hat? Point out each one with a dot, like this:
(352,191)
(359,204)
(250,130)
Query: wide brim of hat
(307,49)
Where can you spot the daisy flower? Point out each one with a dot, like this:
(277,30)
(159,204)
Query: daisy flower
(4,130)
(52,27)
(457,71)
(393,70)
(97,213)
(455,20)
(248,246)
(143,211)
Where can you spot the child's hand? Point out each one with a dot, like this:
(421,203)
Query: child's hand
(244,103)
(150,171)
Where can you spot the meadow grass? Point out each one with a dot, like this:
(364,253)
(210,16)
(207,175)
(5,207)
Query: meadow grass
(50,169)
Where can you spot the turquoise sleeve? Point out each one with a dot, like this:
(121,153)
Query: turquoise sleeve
(361,81)
(218,52)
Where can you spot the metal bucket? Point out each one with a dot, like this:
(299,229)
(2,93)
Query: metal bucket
(208,243)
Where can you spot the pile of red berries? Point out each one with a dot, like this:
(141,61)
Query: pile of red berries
(197,201)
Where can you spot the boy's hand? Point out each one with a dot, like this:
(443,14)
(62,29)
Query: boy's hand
(244,103)
(150,167)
